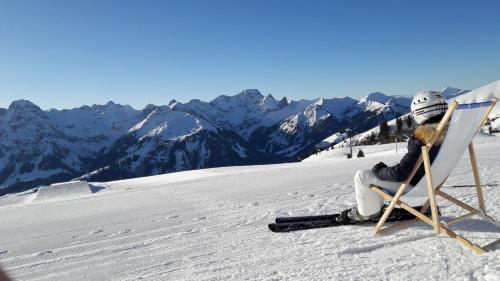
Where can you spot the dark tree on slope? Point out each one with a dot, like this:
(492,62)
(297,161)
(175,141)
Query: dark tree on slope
(361,153)
(384,132)
(372,138)
(409,121)
(399,124)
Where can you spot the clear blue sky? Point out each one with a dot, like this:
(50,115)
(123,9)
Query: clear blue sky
(68,53)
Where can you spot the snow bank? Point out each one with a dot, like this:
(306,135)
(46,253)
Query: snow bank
(65,190)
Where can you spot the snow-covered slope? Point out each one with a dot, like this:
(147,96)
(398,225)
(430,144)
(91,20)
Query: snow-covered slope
(306,127)
(212,225)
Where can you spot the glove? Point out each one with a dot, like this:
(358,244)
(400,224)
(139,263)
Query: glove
(378,167)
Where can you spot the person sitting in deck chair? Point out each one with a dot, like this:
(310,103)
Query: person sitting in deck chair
(428,108)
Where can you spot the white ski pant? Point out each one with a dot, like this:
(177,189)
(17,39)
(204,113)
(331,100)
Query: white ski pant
(368,201)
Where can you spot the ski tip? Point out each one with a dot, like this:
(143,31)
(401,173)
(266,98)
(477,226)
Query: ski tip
(272,227)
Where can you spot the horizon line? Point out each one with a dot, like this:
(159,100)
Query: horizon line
(289,100)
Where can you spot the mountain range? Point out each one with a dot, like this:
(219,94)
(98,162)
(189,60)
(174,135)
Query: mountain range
(113,141)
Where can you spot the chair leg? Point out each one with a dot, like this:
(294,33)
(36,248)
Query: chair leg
(422,217)
(430,189)
(427,203)
(391,206)
(477,179)
(401,225)
(407,207)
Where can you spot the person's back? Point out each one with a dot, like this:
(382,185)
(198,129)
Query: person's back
(428,109)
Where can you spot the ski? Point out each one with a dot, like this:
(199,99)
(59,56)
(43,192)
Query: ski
(287,224)
(397,212)
(307,218)
(294,226)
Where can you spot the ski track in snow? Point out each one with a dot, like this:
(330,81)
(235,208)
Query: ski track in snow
(212,225)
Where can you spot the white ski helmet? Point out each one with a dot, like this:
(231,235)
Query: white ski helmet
(427,104)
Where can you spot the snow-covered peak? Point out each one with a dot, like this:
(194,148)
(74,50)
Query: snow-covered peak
(300,104)
(20,104)
(24,108)
(450,92)
(377,102)
(376,97)
(24,111)
(246,97)
(199,108)
(283,102)
(335,106)
(250,94)
(404,101)
(318,101)
(23,124)
(269,103)
(321,108)
(110,120)
(148,109)
(111,107)
(172,103)
(166,123)
(243,108)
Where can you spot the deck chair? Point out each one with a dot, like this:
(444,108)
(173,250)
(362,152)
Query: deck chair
(462,122)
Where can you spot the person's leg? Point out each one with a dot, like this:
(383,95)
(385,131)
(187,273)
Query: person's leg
(369,202)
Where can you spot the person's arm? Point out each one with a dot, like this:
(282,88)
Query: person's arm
(401,171)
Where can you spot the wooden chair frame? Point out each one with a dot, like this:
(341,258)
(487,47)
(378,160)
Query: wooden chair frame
(434,221)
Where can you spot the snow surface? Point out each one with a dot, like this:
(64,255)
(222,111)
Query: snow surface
(212,225)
